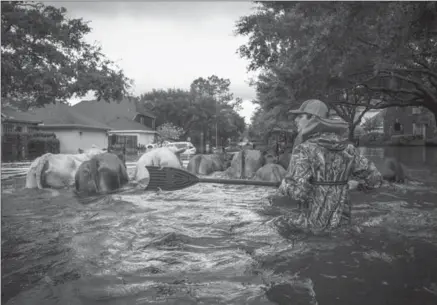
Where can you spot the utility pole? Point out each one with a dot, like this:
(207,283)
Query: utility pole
(216,126)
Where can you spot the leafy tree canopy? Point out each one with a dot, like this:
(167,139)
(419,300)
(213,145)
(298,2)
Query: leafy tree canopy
(387,50)
(170,131)
(207,103)
(45,58)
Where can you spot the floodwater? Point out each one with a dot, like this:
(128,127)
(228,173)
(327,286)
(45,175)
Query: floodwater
(219,244)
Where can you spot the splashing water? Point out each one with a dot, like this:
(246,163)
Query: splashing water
(214,244)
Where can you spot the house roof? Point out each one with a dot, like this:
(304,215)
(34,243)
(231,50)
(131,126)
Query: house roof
(123,123)
(105,112)
(13,115)
(64,115)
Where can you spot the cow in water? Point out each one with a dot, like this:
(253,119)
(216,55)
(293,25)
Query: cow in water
(161,157)
(393,171)
(207,164)
(102,174)
(57,170)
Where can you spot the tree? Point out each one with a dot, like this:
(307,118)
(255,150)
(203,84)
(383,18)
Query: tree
(372,123)
(45,58)
(351,105)
(214,96)
(264,122)
(389,48)
(169,131)
(198,110)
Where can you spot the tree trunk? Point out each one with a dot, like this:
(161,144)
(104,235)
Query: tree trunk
(434,112)
(351,132)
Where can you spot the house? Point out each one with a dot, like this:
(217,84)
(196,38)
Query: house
(131,123)
(410,121)
(14,120)
(74,130)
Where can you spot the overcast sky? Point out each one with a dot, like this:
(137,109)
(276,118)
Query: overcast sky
(164,45)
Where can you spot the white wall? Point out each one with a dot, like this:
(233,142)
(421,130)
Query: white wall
(71,140)
(145,138)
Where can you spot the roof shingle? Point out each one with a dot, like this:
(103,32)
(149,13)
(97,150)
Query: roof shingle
(62,114)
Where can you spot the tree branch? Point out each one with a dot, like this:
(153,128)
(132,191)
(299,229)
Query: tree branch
(424,71)
(417,83)
(367,42)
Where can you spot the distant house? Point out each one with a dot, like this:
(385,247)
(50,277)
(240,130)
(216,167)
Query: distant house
(14,120)
(410,121)
(74,130)
(131,123)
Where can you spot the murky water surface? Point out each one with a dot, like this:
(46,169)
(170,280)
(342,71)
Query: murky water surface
(216,244)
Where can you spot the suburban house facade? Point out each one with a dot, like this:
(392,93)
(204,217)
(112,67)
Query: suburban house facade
(74,130)
(131,124)
(410,121)
(17,121)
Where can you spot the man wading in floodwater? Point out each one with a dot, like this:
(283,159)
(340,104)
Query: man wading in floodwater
(321,165)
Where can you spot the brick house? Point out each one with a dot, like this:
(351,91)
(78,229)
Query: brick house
(17,121)
(131,123)
(410,121)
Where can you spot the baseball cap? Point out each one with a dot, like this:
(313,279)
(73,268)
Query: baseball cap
(313,107)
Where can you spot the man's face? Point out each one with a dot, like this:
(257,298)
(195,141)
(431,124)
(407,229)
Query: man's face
(301,121)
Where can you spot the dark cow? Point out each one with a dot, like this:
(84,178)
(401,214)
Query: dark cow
(100,175)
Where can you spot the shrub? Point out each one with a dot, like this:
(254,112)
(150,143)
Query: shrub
(28,145)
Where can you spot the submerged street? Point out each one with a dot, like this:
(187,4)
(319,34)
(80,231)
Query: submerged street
(216,244)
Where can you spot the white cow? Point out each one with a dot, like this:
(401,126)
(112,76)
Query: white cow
(57,170)
(161,156)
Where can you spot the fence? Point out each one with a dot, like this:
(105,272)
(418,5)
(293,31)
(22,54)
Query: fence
(18,146)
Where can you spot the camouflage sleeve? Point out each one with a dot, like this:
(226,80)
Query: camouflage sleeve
(296,182)
(366,172)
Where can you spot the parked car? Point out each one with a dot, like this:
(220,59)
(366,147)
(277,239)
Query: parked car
(151,146)
(189,149)
(217,150)
(232,149)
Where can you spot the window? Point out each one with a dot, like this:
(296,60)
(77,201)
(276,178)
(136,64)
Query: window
(418,129)
(8,127)
(417,110)
(129,141)
(397,126)
(142,120)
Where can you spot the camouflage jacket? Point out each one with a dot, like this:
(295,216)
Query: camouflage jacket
(317,179)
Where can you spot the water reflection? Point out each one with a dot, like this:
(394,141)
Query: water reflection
(409,155)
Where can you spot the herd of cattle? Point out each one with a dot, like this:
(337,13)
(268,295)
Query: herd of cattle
(96,171)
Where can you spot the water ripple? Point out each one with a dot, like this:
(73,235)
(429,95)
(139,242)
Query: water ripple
(212,244)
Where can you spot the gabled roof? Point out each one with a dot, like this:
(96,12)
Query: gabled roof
(64,115)
(105,112)
(12,115)
(123,123)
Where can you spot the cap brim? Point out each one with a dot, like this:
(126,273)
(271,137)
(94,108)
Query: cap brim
(296,112)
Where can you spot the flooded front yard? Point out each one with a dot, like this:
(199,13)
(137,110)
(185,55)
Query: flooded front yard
(216,244)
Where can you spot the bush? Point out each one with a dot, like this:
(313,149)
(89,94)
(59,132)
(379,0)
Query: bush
(372,138)
(407,139)
(38,146)
(431,142)
(28,145)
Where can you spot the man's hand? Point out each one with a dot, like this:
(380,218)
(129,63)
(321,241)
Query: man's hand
(353,184)
(274,197)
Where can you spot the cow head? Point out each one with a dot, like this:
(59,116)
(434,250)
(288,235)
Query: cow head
(86,178)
